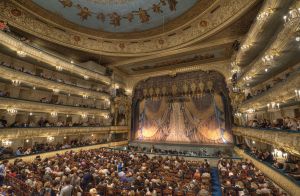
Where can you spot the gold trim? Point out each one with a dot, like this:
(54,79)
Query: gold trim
(31,106)
(228,12)
(290,142)
(276,177)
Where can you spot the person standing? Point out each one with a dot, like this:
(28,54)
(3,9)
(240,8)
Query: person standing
(67,189)
(3,171)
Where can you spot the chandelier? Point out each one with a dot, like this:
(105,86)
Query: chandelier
(265,14)
(84,115)
(50,138)
(85,96)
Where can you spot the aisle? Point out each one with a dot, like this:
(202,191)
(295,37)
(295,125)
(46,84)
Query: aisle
(216,186)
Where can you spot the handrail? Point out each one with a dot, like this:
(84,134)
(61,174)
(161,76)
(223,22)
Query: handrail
(67,105)
(10,73)
(275,169)
(271,129)
(46,79)
(14,43)
(25,105)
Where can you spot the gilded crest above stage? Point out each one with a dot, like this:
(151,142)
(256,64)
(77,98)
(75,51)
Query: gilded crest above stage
(186,108)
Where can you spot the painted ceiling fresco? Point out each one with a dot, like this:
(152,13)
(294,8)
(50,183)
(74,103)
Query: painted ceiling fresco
(118,15)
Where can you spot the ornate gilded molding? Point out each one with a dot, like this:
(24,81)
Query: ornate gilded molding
(221,66)
(48,58)
(17,133)
(11,74)
(275,52)
(268,13)
(276,177)
(197,29)
(33,106)
(279,93)
(288,141)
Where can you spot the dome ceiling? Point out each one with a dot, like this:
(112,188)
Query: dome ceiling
(120,16)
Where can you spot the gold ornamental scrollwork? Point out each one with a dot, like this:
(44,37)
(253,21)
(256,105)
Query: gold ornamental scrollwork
(208,23)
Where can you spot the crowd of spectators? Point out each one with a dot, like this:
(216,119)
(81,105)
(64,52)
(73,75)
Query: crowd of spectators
(268,85)
(58,102)
(243,178)
(36,148)
(43,122)
(289,165)
(283,124)
(49,77)
(107,172)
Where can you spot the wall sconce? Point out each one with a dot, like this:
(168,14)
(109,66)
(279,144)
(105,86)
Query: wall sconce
(85,96)
(55,90)
(238,114)
(273,106)
(20,51)
(245,46)
(250,111)
(86,77)
(106,116)
(50,139)
(53,114)
(84,115)
(12,111)
(16,82)
(297,92)
(58,68)
(6,143)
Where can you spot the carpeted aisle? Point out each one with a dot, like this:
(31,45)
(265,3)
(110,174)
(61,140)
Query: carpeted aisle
(216,186)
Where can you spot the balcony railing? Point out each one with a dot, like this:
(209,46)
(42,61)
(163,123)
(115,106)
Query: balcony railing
(35,106)
(286,139)
(51,59)
(10,73)
(279,178)
(30,132)
(280,92)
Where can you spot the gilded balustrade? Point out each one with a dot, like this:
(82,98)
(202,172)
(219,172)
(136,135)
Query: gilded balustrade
(30,132)
(275,51)
(36,81)
(17,45)
(268,13)
(280,93)
(289,141)
(34,106)
(289,186)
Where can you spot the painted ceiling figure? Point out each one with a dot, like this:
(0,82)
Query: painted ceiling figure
(101,17)
(129,17)
(156,8)
(84,12)
(172,4)
(66,3)
(115,19)
(144,17)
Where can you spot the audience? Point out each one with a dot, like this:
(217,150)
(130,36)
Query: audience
(48,77)
(283,124)
(242,178)
(107,172)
